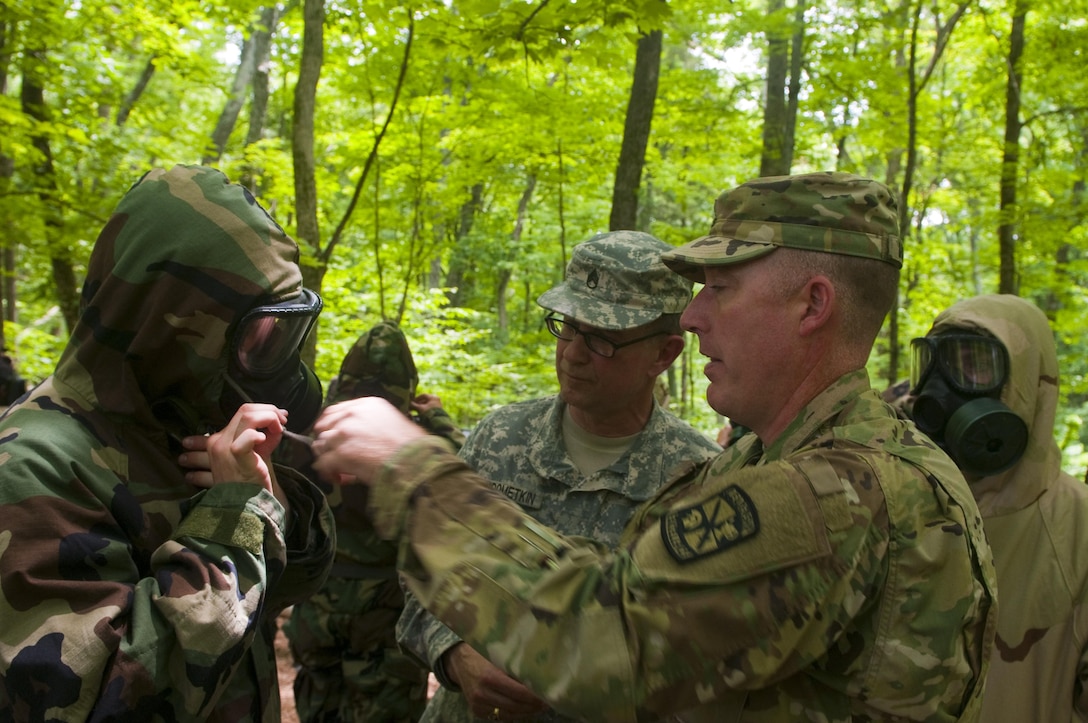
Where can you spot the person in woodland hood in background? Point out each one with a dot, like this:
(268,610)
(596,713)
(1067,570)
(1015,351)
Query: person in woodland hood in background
(127,590)
(984,385)
(342,638)
(831,565)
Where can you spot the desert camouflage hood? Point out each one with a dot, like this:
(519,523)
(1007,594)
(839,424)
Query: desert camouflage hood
(184,255)
(1031,392)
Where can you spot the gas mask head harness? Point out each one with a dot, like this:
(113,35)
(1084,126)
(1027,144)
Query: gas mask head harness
(264,360)
(956,379)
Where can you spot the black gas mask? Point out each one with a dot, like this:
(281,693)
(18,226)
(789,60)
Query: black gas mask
(956,380)
(264,363)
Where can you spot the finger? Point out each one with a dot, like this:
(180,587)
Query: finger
(197,442)
(199,478)
(194,460)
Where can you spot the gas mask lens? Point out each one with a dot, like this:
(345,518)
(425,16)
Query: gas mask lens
(971,363)
(268,336)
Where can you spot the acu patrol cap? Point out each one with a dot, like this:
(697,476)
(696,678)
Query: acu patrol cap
(616,281)
(837,213)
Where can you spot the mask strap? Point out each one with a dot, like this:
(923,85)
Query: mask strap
(238,389)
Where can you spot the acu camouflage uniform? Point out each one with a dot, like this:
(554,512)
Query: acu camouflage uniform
(342,638)
(520,449)
(841,574)
(125,592)
(614,281)
(1036,519)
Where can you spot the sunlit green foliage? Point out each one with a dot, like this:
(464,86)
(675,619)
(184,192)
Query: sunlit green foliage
(502,97)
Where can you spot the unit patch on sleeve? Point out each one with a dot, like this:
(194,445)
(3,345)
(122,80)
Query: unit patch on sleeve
(713,525)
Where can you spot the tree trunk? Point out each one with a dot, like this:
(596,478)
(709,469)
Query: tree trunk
(796,57)
(1007,229)
(773,162)
(262,48)
(302,147)
(458,278)
(636,132)
(32,97)
(134,95)
(506,269)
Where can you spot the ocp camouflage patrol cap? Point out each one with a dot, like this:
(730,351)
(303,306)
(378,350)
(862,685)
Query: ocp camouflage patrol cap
(616,281)
(838,213)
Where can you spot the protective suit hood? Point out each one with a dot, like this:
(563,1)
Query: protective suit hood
(1031,392)
(184,256)
(379,364)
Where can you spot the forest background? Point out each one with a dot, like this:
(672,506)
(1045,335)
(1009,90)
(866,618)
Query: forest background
(436,161)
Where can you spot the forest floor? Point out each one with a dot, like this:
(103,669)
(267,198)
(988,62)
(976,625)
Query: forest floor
(286,668)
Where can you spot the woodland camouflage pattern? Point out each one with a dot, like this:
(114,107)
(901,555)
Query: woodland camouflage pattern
(834,212)
(343,636)
(616,281)
(1036,517)
(125,592)
(520,449)
(840,575)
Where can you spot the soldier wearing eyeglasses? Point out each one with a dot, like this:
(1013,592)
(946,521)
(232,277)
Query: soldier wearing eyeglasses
(583,459)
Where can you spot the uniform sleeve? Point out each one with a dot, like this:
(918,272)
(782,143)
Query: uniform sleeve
(425,637)
(95,628)
(731,586)
(437,421)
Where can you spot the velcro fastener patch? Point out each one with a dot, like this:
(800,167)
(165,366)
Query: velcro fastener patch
(715,524)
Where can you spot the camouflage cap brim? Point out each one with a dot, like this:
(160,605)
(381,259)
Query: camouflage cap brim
(591,310)
(829,212)
(616,281)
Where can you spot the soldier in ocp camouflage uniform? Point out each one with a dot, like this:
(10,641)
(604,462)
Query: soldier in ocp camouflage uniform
(1035,514)
(582,460)
(126,593)
(342,638)
(831,566)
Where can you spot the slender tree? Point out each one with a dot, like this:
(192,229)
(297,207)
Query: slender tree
(1010,161)
(636,132)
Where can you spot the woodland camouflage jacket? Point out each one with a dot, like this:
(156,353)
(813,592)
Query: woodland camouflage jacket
(841,574)
(126,593)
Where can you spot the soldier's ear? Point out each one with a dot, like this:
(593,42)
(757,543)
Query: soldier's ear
(667,353)
(816,302)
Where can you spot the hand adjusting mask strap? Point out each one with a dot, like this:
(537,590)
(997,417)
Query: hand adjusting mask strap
(957,380)
(265,365)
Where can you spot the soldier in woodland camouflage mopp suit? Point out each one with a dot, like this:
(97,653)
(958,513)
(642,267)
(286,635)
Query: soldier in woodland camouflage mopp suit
(126,592)
(831,565)
(342,638)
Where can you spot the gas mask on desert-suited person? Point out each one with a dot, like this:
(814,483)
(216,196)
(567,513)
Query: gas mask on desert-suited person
(265,364)
(956,380)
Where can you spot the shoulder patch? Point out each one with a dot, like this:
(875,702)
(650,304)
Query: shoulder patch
(715,524)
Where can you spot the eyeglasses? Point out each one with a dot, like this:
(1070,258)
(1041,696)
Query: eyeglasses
(267,336)
(972,363)
(603,346)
